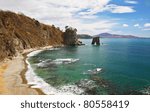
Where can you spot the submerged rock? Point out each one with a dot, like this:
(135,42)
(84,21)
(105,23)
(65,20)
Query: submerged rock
(88,86)
(71,89)
(146,91)
(99,81)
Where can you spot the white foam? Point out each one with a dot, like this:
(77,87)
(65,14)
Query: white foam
(65,61)
(88,64)
(37,82)
(54,48)
(98,69)
(94,71)
(48,62)
(34,53)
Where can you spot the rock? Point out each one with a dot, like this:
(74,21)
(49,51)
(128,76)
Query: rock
(96,40)
(70,37)
(87,85)
(146,91)
(19,32)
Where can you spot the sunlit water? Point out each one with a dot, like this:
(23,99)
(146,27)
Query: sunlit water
(118,66)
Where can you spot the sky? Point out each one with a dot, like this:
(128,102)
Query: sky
(126,17)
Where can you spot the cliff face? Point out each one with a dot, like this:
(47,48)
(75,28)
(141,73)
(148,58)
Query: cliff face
(18,32)
(71,37)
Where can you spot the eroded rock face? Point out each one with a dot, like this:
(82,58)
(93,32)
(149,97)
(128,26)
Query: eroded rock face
(96,41)
(70,37)
(18,32)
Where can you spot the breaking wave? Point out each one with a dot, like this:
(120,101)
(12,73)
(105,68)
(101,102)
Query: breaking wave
(36,82)
(50,62)
(93,72)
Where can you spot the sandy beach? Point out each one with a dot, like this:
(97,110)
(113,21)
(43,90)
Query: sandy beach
(12,75)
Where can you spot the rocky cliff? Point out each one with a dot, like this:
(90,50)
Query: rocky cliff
(71,37)
(18,32)
(96,40)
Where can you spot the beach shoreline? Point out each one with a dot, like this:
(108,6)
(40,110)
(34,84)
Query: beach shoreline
(12,75)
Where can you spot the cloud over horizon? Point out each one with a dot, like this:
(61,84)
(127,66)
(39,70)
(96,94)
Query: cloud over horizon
(86,16)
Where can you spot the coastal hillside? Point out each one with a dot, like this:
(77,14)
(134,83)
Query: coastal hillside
(108,35)
(19,32)
(84,36)
(105,35)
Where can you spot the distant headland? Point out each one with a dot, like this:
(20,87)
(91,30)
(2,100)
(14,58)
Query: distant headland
(106,35)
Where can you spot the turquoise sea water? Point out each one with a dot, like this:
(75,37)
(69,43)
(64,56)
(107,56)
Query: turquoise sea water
(118,66)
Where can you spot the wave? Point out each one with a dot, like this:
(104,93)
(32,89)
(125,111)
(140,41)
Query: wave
(65,61)
(37,82)
(93,72)
(88,64)
(50,63)
(33,53)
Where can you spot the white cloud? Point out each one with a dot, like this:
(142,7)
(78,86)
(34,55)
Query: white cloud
(125,25)
(147,25)
(119,9)
(131,1)
(136,25)
(75,13)
(146,29)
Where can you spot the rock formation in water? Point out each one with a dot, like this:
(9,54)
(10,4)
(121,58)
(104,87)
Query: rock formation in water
(19,32)
(96,41)
(70,36)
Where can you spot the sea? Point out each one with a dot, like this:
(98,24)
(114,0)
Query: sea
(119,66)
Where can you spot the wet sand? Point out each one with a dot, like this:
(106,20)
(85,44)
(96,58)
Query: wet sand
(2,82)
(12,76)
(12,80)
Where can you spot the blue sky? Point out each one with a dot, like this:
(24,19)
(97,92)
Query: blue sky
(88,16)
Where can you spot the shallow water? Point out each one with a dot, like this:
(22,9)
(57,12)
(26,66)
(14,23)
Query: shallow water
(118,66)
